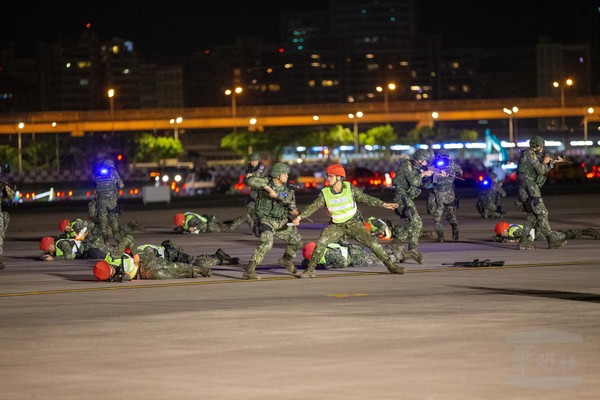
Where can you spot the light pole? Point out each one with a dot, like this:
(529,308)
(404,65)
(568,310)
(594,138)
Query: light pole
(385,90)
(590,110)
(510,112)
(567,82)
(251,128)
(176,122)
(57,148)
(233,93)
(354,118)
(111,100)
(20,127)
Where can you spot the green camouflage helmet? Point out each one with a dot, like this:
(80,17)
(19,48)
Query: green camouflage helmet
(254,157)
(279,168)
(536,141)
(421,155)
(109,163)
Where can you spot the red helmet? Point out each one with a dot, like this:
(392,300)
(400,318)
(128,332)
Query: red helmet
(368,226)
(62,225)
(501,227)
(308,249)
(46,242)
(102,270)
(336,169)
(179,219)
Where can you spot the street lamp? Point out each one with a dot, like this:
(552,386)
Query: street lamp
(111,100)
(567,82)
(20,127)
(590,110)
(354,118)
(176,122)
(385,90)
(510,112)
(233,93)
(251,128)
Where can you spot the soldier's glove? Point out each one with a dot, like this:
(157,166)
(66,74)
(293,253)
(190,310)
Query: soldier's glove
(46,257)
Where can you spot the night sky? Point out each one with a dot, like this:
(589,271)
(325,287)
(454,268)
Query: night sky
(163,29)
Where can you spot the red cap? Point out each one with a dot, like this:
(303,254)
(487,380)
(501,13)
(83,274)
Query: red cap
(62,225)
(501,227)
(102,270)
(308,249)
(178,219)
(46,242)
(336,169)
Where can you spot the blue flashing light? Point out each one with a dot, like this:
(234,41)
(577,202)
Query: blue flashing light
(486,183)
(103,171)
(440,162)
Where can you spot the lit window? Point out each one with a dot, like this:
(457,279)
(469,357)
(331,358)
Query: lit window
(371,67)
(315,56)
(327,82)
(289,65)
(315,65)
(274,87)
(369,55)
(455,65)
(403,63)
(115,49)
(311,83)
(466,89)
(269,70)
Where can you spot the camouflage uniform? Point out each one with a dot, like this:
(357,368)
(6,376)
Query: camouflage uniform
(531,175)
(205,223)
(347,255)
(108,184)
(446,201)
(5,192)
(407,184)
(258,171)
(175,253)
(352,228)
(489,199)
(515,232)
(271,223)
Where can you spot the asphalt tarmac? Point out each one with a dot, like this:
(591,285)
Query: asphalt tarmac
(529,329)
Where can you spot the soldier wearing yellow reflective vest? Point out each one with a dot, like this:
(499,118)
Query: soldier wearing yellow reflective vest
(506,232)
(340,198)
(71,249)
(190,222)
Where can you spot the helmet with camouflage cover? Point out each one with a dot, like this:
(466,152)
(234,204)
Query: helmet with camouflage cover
(254,157)
(279,168)
(109,163)
(442,153)
(536,141)
(421,155)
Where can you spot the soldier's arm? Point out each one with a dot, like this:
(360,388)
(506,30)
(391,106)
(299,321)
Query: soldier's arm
(256,182)
(534,161)
(362,197)
(313,207)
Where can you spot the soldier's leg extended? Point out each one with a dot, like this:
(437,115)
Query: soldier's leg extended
(554,239)
(266,243)
(330,234)
(452,220)
(364,237)
(103,223)
(437,223)
(294,243)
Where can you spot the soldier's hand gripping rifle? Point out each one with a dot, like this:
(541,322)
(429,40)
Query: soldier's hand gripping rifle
(438,167)
(476,263)
(557,158)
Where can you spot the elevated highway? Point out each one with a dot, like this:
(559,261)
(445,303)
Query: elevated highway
(77,123)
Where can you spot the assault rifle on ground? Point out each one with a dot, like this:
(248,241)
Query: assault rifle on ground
(476,263)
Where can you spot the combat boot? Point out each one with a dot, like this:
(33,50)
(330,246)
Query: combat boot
(454,232)
(250,272)
(414,254)
(556,243)
(394,268)
(309,272)
(440,236)
(526,245)
(594,233)
(224,257)
(287,263)
(134,226)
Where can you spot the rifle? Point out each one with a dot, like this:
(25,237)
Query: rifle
(476,263)
(438,166)
(12,187)
(555,157)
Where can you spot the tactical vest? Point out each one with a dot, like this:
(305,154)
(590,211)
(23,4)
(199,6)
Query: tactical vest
(126,260)
(105,183)
(273,208)
(189,216)
(159,249)
(75,247)
(341,206)
(342,249)
(514,227)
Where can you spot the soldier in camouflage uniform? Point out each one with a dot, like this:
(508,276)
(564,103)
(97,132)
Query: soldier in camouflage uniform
(446,201)
(384,229)
(275,201)
(340,198)
(72,249)
(147,263)
(108,184)
(407,185)
(490,197)
(5,192)
(507,233)
(190,222)
(255,168)
(175,253)
(89,229)
(531,175)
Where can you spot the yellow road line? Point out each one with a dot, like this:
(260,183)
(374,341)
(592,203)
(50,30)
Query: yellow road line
(130,286)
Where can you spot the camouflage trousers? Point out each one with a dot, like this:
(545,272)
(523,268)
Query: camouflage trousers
(353,228)
(4,221)
(281,231)
(445,203)
(411,229)
(537,214)
(159,268)
(108,218)
(229,226)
